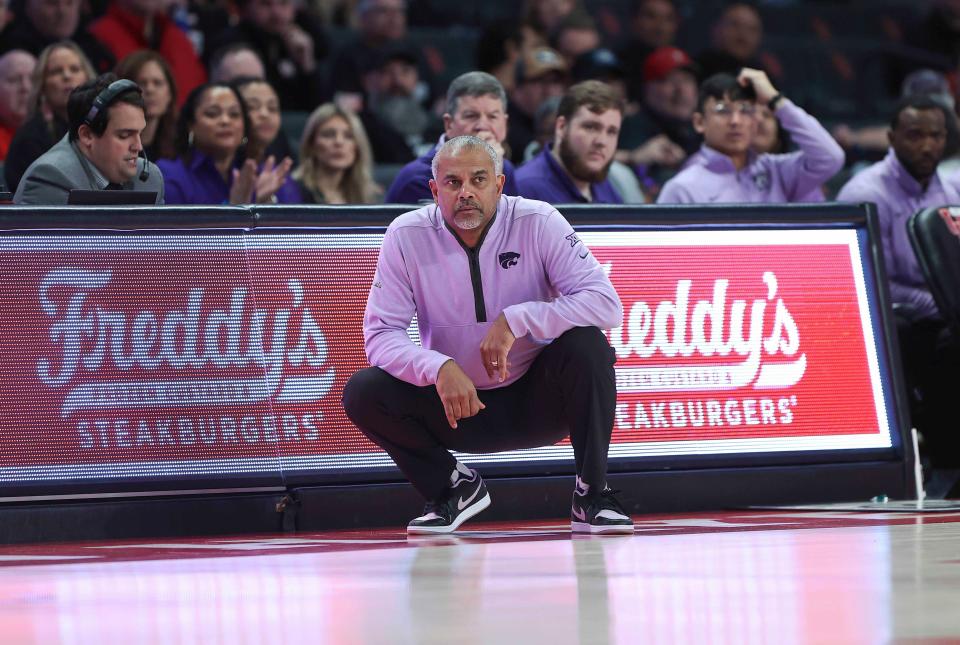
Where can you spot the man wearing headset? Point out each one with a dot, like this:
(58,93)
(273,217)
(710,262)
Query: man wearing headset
(101,151)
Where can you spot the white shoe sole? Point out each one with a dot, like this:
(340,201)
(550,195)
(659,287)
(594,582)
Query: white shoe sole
(467,513)
(584,527)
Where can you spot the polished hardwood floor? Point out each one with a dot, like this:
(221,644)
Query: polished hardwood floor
(749,577)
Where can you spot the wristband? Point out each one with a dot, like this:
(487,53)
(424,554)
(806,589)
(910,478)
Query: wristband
(772,103)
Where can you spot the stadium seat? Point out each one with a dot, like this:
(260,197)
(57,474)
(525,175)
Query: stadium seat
(935,236)
(384,173)
(292,124)
(446,52)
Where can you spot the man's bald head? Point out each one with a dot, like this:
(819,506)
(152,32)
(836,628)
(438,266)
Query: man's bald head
(16,70)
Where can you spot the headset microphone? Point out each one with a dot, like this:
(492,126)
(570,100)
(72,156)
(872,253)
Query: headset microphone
(103,100)
(145,173)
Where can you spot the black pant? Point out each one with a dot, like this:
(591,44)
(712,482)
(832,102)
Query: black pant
(570,389)
(931,364)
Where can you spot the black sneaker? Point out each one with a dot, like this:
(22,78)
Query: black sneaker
(598,513)
(459,503)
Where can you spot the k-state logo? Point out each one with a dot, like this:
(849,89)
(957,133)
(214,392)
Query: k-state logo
(509,259)
(762,180)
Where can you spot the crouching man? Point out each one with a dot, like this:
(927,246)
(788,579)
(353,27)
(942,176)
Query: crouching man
(510,304)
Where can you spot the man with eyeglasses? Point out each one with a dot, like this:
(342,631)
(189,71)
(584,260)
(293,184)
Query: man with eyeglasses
(727,170)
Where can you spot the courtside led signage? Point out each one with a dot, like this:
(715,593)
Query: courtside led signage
(169,355)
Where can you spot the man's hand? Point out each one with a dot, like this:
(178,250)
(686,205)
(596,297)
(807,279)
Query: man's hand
(761,84)
(492,140)
(457,393)
(657,150)
(300,47)
(496,346)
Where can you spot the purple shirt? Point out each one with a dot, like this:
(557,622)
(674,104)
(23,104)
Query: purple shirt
(201,183)
(411,185)
(532,268)
(898,196)
(545,179)
(766,178)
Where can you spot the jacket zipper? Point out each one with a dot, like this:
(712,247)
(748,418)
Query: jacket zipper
(476,280)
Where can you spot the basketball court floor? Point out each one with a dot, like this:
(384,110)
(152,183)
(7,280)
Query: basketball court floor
(737,577)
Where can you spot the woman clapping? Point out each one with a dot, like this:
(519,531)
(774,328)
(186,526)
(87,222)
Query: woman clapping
(211,166)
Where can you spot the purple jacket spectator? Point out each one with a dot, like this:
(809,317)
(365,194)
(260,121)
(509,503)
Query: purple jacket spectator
(766,178)
(201,183)
(898,196)
(411,186)
(545,179)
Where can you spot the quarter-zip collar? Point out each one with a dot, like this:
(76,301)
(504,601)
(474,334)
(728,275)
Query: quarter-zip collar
(473,257)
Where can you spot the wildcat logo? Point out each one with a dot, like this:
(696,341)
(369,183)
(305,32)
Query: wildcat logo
(762,181)
(509,259)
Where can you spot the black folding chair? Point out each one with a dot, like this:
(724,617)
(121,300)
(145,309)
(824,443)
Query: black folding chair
(935,236)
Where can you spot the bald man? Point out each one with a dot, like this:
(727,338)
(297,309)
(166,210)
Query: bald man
(16,69)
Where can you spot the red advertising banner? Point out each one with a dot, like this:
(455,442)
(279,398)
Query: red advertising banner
(130,355)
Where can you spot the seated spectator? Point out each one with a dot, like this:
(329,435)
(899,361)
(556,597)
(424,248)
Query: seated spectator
(654,25)
(622,177)
(931,42)
(771,138)
(600,65)
(541,17)
(544,123)
(289,42)
(388,145)
(265,137)
(728,170)
(211,167)
(380,23)
(60,69)
(498,51)
(737,35)
(16,72)
(101,151)
(393,94)
(540,74)
(906,181)
(235,61)
(575,35)
(131,25)
(872,141)
(903,183)
(336,166)
(150,71)
(42,23)
(202,21)
(574,168)
(477,105)
(661,135)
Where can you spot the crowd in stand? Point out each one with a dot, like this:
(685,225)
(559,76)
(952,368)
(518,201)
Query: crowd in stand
(574,117)
(356,62)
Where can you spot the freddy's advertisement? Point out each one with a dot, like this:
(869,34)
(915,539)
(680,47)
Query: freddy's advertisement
(745,336)
(215,350)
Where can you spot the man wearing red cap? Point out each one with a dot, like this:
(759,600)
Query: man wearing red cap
(662,136)
(654,25)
